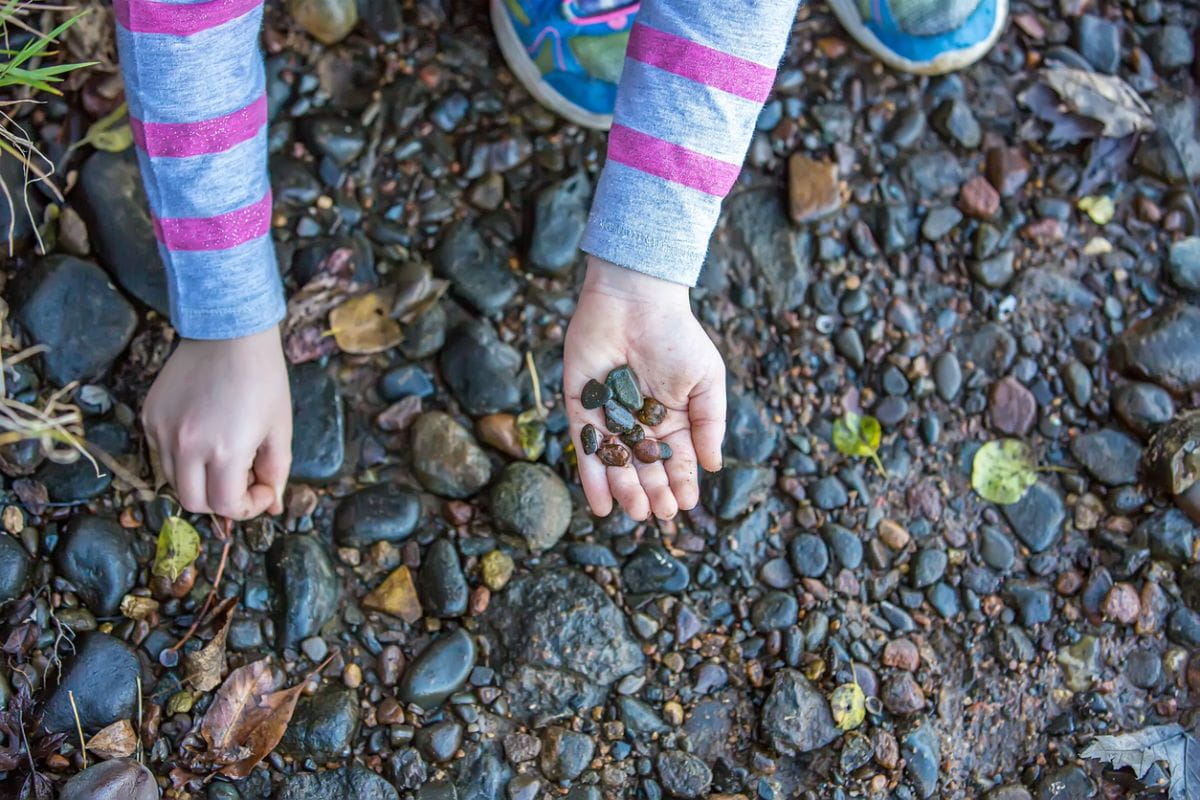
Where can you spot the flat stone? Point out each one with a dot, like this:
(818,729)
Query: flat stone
(15,564)
(1110,456)
(796,717)
(1012,409)
(531,501)
(121,778)
(438,671)
(318,426)
(559,219)
(478,273)
(481,370)
(813,190)
(1162,348)
(96,556)
(1099,41)
(953,119)
(1037,517)
(565,753)
(353,781)
(446,459)
(1008,169)
(102,676)
(978,198)
(323,726)
(382,513)
(684,775)
(307,588)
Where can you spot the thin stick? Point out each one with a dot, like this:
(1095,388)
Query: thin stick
(78,727)
(212,593)
(537,384)
(141,752)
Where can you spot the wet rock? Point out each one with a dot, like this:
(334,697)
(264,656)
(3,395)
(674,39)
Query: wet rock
(307,588)
(1163,348)
(947,376)
(902,694)
(996,549)
(425,335)
(565,753)
(1098,41)
(323,726)
(1143,668)
(443,586)
(773,611)
(773,249)
(81,480)
(1143,407)
(82,344)
(1169,534)
(994,272)
(478,272)
(1183,627)
(1012,409)
(328,21)
(928,567)
(531,501)
(809,555)
(1069,782)
(939,222)
(1171,48)
(922,755)
(652,569)
(559,220)
(14,568)
(406,381)
(813,190)
(978,198)
(1010,791)
(318,427)
(829,493)
(446,458)
(751,435)
(556,634)
(729,493)
(382,513)
(347,781)
(96,556)
(340,140)
(845,545)
(440,741)
(1037,517)
(481,370)
(990,348)
(1079,383)
(102,675)
(1007,169)
(1080,663)
(683,774)
(121,778)
(796,717)
(118,218)
(438,671)
(1183,264)
(1033,600)
(954,120)
(594,394)
(13,217)
(1110,456)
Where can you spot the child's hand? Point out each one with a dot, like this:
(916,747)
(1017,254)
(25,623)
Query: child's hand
(220,418)
(625,317)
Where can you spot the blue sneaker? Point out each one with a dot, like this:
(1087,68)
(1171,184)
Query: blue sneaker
(928,37)
(567,53)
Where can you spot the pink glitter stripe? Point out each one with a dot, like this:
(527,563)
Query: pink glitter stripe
(216,135)
(671,161)
(216,233)
(723,71)
(179,19)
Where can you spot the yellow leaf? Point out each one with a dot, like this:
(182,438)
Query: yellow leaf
(1003,470)
(113,141)
(363,324)
(1099,207)
(178,547)
(849,706)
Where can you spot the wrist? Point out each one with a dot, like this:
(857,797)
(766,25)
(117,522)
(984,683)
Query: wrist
(264,340)
(630,286)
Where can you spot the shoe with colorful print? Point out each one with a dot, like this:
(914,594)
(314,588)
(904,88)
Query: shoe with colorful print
(567,53)
(928,37)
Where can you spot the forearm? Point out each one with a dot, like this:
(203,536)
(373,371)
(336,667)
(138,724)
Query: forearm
(695,78)
(195,85)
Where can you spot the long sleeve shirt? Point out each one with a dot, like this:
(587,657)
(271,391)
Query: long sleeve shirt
(695,78)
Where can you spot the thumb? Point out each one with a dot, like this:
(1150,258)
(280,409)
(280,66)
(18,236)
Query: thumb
(706,414)
(272,464)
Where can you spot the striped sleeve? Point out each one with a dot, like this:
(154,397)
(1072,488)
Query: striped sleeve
(695,78)
(196,88)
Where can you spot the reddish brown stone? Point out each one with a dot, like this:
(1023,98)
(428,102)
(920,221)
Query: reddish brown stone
(1011,407)
(812,188)
(903,695)
(887,752)
(1122,603)
(1007,169)
(978,198)
(901,654)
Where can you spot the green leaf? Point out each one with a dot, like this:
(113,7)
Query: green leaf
(1003,470)
(531,434)
(849,706)
(114,141)
(178,547)
(858,435)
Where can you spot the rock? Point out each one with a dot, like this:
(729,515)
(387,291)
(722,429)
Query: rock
(344,782)
(446,458)
(683,774)
(928,567)
(996,549)
(1110,456)
(406,381)
(438,671)
(1009,791)
(1007,169)
(381,513)
(1065,783)
(318,432)
(480,370)
(990,348)
(796,717)
(1080,663)
(328,21)
(531,501)
(119,779)
(102,675)
(118,218)
(425,335)
(829,493)
(1143,407)
(750,433)
(902,694)
(978,198)
(13,217)
(96,556)
(1162,348)
(80,480)
(813,190)
(339,139)
(1037,517)
(774,611)
(729,493)
(1183,264)
(14,568)
(652,569)
(323,726)
(565,753)
(1169,534)
(478,272)
(561,215)
(922,755)
(809,555)
(1171,47)
(1034,601)
(1098,41)
(308,589)
(770,246)
(954,120)
(939,222)
(556,631)
(440,741)
(901,654)
(443,586)
(1012,409)
(947,376)
(1079,383)
(81,344)
(844,543)
(396,595)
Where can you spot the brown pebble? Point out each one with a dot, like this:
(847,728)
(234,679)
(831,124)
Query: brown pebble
(646,451)
(893,534)
(1122,603)
(652,412)
(901,654)
(481,596)
(978,198)
(352,676)
(389,712)
(613,454)
(887,751)
(589,439)
(903,695)
(634,436)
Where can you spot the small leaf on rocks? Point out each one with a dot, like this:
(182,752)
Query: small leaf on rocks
(857,434)
(363,324)
(115,741)
(178,547)
(849,706)
(531,434)
(204,667)
(1003,470)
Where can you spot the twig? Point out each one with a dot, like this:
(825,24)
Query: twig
(78,727)
(223,534)
(537,384)
(141,752)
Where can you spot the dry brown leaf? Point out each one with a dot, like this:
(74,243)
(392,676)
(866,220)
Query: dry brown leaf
(362,324)
(397,595)
(139,608)
(204,667)
(116,741)
(1104,98)
(304,337)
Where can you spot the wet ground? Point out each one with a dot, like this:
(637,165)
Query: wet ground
(928,258)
